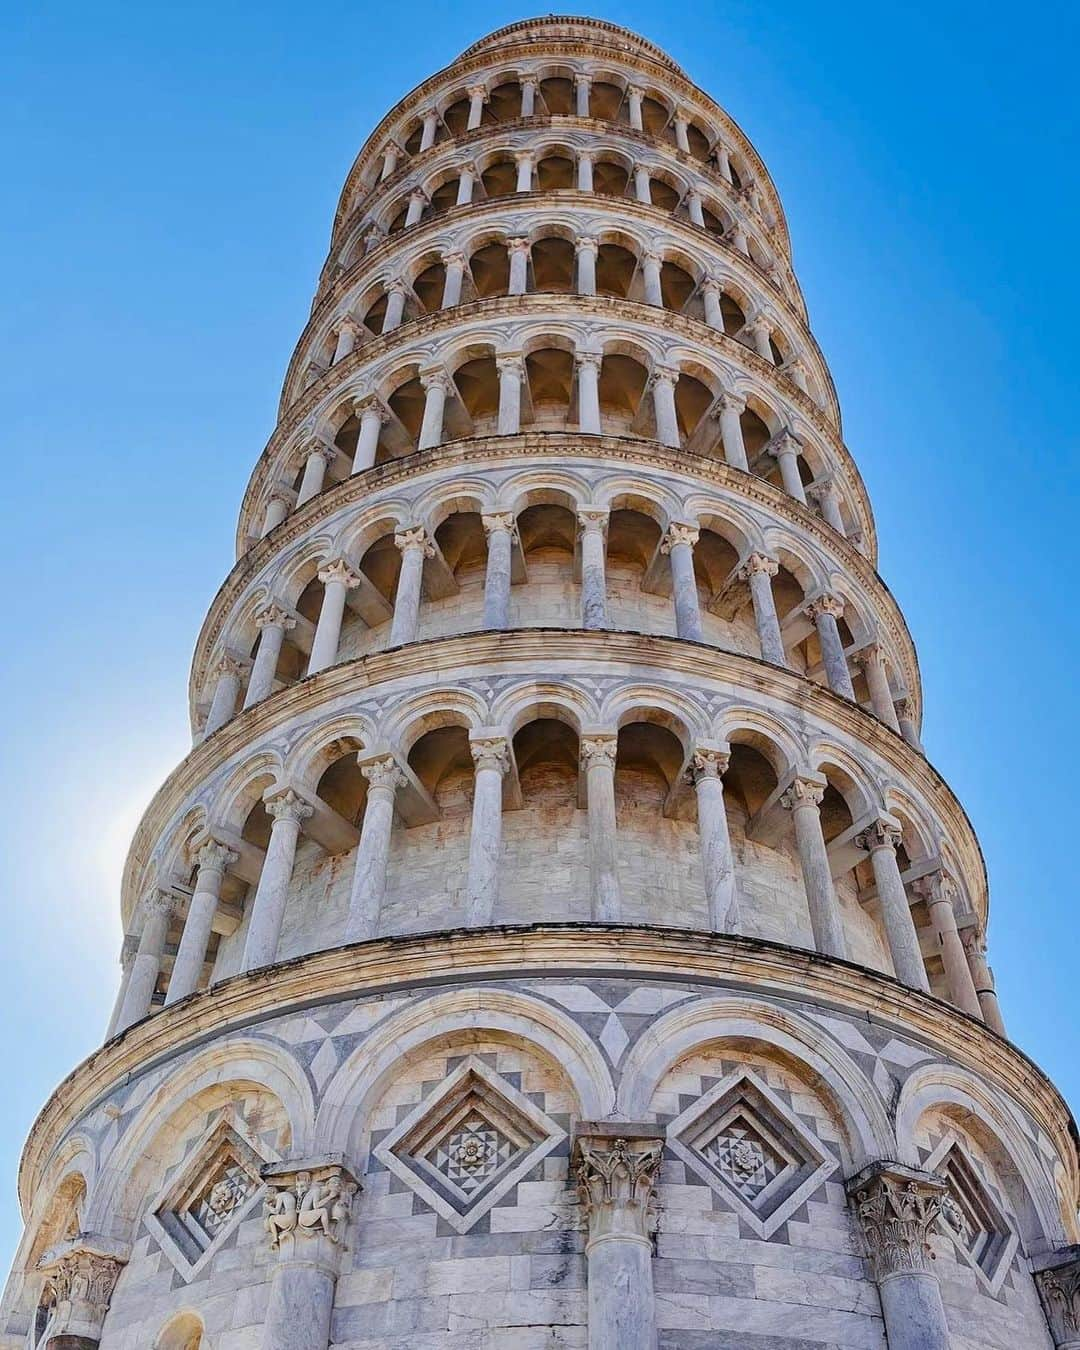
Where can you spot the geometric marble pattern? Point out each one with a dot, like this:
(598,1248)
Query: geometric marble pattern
(745,1143)
(468,1142)
(970,1215)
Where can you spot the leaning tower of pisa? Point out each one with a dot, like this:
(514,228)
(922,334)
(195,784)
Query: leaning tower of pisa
(556,936)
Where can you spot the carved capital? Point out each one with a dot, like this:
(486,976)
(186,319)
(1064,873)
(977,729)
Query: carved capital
(455,258)
(804,790)
(594,360)
(498,522)
(668,375)
(593,519)
(897,1208)
(708,762)
(585,243)
(512,363)
(340,571)
(436,379)
(730,402)
(273,616)
(414,539)
(367,405)
(306,1209)
(822,488)
(679,532)
(599,749)
(490,752)
(825,604)
(519,245)
(83,1273)
(418,195)
(616,1178)
(383,772)
(937,888)
(214,856)
(1058,1284)
(286,804)
(347,324)
(228,664)
(786,443)
(882,833)
(159,902)
(758,563)
(477,91)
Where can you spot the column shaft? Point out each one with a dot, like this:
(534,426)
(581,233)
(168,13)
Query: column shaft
(731,437)
(588,371)
(717,862)
(272,624)
(268,908)
(667,421)
(191,954)
(877,682)
(651,271)
(881,840)
(497,577)
(372,419)
(373,851)
(825,612)
(415,547)
(803,798)
(758,571)
(491,757)
(147,964)
(338,579)
(223,705)
(586,250)
(598,753)
(593,569)
(511,372)
(939,891)
(679,545)
(436,388)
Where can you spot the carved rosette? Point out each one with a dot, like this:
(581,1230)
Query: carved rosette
(616,1178)
(1059,1289)
(306,1210)
(897,1208)
(83,1276)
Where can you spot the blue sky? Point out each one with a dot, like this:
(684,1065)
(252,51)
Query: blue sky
(172,174)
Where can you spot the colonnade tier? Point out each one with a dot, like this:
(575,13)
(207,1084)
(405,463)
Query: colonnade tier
(709,131)
(575,243)
(639,348)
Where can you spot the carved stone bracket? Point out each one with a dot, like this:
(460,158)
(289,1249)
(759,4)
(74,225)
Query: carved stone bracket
(1058,1283)
(307,1207)
(616,1166)
(82,1272)
(897,1207)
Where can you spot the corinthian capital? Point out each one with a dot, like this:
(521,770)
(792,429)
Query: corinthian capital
(599,749)
(273,616)
(804,790)
(758,563)
(881,833)
(708,762)
(383,772)
(615,1180)
(83,1273)
(414,538)
(1058,1284)
(897,1208)
(286,804)
(490,752)
(214,856)
(679,532)
(306,1210)
(339,570)
(825,604)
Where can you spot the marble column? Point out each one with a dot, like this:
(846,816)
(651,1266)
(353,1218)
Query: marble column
(491,756)
(615,1180)
(373,417)
(455,276)
(598,758)
(396,292)
(905,716)
(223,704)
(466,185)
(373,851)
(287,811)
(417,201)
(739,238)
(320,456)
(983,979)
(828,499)
(588,373)
(707,768)
(415,546)
(634,98)
(711,295)
(682,127)
(881,841)
(824,612)
(83,1272)
(785,450)
(758,572)
(511,371)
(940,893)
(651,272)
(518,250)
(642,184)
(500,529)
(760,330)
(585,160)
(348,330)
(338,578)
(477,98)
(430,129)
(138,1000)
(678,544)
(128,948)
(306,1216)
(897,1208)
(732,407)
(723,161)
(390,159)
(585,250)
(592,524)
(872,661)
(528,96)
(213,859)
(437,386)
(664,380)
(273,623)
(582,88)
(795,369)
(1057,1278)
(277,508)
(524,162)
(803,799)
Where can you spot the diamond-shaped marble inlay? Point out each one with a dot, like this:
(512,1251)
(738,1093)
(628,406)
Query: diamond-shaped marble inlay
(747,1144)
(214,1188)
(970,1215)
(467,1143)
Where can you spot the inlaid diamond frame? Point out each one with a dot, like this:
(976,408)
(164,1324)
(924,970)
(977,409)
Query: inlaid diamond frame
(431,1149)
(991,1258)
(180,1215)
(790,1163)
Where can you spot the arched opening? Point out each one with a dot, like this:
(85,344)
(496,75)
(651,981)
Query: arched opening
(428,287)
(555,171)
(610,178)
(605,100)
(622,394)
(553,265)
(490,268)
(557,95)
(477,384)
(504,101)
(632,541)
(548,532)
(461,542)
(500,177)
(550,374)
(676,286)
(444,197)
(615,270)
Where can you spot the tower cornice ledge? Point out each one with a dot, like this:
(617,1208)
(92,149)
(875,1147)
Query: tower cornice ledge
(484,955)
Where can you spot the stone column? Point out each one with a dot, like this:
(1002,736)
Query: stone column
(739,239)
(528,96)
(615,1179)
(897,1208)
(417,201)
(83,1272)
(757,572)
(319,458)
(273,623)
(466,184)
(633,99)
(348,330)
(277,508)
(682,126)
(651,270)
(306,1216)
(732,407)
(711,295)
(518,250)
(678,544)
(582,87)
(396,291)
(511,370)
(593,524)
(415,546)
(983,979)
(138,1000)
(598,757)
(128,949)
(223,704)
(803,800)
(642,184)
(825,494)
(524,162)
(373,417)
(585,170)
(824,613)
(940,893)
(338,578)
(872,661)
(477,97)
(664,379)
(760,330)
(390,159)
(723,161)
(905,716)
(785,449)
(694,208)
(455,276)
(588,373)
(213,859)
(437,385)
(491,755)
(1058,1283)
(881,841)
(499,527)
(707,767)
(585,250)
(795,369)
(372,852)
(287,810)
(430,128)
